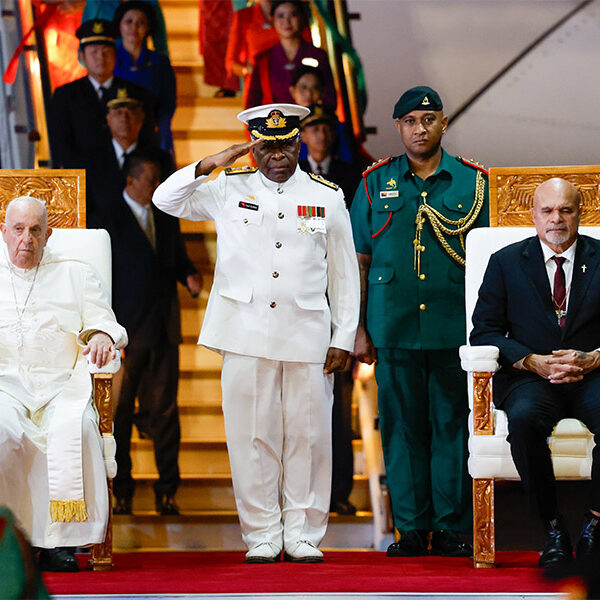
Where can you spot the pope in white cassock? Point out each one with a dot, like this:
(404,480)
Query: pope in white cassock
(54,311)
(283,312)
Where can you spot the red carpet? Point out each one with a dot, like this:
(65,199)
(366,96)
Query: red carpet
(225,572)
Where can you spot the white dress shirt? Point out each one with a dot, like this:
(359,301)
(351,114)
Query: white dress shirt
(120,152)
(314,165)
(97,85)
(144,216)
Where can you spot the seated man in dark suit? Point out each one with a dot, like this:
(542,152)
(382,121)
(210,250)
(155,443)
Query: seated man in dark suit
(149,257)
(104,166)
(76,117)
(539,303)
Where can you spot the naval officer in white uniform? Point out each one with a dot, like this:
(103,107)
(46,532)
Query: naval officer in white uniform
(283,311)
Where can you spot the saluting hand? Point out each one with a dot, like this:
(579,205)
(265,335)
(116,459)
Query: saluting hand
(225,158)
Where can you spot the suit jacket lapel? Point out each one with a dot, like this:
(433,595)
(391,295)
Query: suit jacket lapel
(534,266)
(585,255)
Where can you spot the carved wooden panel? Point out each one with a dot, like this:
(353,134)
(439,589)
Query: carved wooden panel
(103,401)
(63,190)
(512,188)
(483,413)
(484,532)
(102,554)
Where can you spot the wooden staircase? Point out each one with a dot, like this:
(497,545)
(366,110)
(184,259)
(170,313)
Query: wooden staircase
(204,125)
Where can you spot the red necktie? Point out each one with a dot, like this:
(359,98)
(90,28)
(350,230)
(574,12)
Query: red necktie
(559,296)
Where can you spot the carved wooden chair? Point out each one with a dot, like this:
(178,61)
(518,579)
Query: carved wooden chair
(571,444)
(64,193)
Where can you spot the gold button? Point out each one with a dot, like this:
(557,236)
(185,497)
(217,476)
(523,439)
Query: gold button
(273,304)
(280,216)
(275,274)
(460,206)
(386,206)
(422,307)
(422,276)
(277,244)
(379,278)
(245,220)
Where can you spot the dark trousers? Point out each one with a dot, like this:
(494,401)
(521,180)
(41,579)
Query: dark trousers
(155,365)
(341,423)
(533,409)
(423,411)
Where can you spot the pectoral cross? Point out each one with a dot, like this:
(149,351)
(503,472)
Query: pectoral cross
(584,268)
(560,314)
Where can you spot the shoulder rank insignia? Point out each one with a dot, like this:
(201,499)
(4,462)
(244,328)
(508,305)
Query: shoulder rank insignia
(322,180)
(376,165)
(240,170)
(473,163)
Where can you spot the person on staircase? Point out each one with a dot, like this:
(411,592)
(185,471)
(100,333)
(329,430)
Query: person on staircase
(282,311)
(149,257)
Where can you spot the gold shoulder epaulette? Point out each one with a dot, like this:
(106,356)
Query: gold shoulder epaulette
(324,181)
(377,164)
(239,170)
(473,163)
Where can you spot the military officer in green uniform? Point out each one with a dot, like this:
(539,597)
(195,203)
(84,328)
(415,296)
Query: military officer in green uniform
(410,216)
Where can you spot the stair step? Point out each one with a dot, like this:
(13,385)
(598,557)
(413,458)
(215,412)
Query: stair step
(220,530)
(202,491)
(194,358)
(180,14)
(213,116)
(188,150)
(189,72)
(198,391)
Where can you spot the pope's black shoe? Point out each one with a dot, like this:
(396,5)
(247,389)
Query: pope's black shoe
(588,546)
(411,543)
(58,560)
(558,550)
(449,543)
(122,506)
(165,505)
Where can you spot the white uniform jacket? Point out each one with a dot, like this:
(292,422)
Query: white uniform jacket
(286,286)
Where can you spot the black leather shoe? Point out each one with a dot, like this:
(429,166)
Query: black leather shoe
(122,506)
(558,550)
(449,543)
(165,505)
(588,546)
(342,508)
(412,543)
(58,560)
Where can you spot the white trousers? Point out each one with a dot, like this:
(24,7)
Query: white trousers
(24,476)
(278,428)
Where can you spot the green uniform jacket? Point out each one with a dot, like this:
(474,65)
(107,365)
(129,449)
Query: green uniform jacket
(405,310)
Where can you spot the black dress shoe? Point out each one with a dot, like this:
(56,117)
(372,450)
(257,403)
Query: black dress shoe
(588,546)
(57,559)
(122,506)
(165,505)
(449,543)
(342,508)
(558,550)
(412,543)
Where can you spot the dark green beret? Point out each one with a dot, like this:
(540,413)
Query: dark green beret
(417,98)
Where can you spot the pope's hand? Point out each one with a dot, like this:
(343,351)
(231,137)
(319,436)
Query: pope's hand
(336,360)
(101,349)
(225,158)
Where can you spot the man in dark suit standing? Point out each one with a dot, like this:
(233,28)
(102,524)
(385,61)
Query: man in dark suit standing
(105,179)
(539,303)
(77,112)
(318,133)
(149,258)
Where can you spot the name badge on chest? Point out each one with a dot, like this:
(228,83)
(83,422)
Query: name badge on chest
(388,194)
(311,219)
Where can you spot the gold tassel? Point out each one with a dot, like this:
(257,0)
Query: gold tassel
(66,511)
